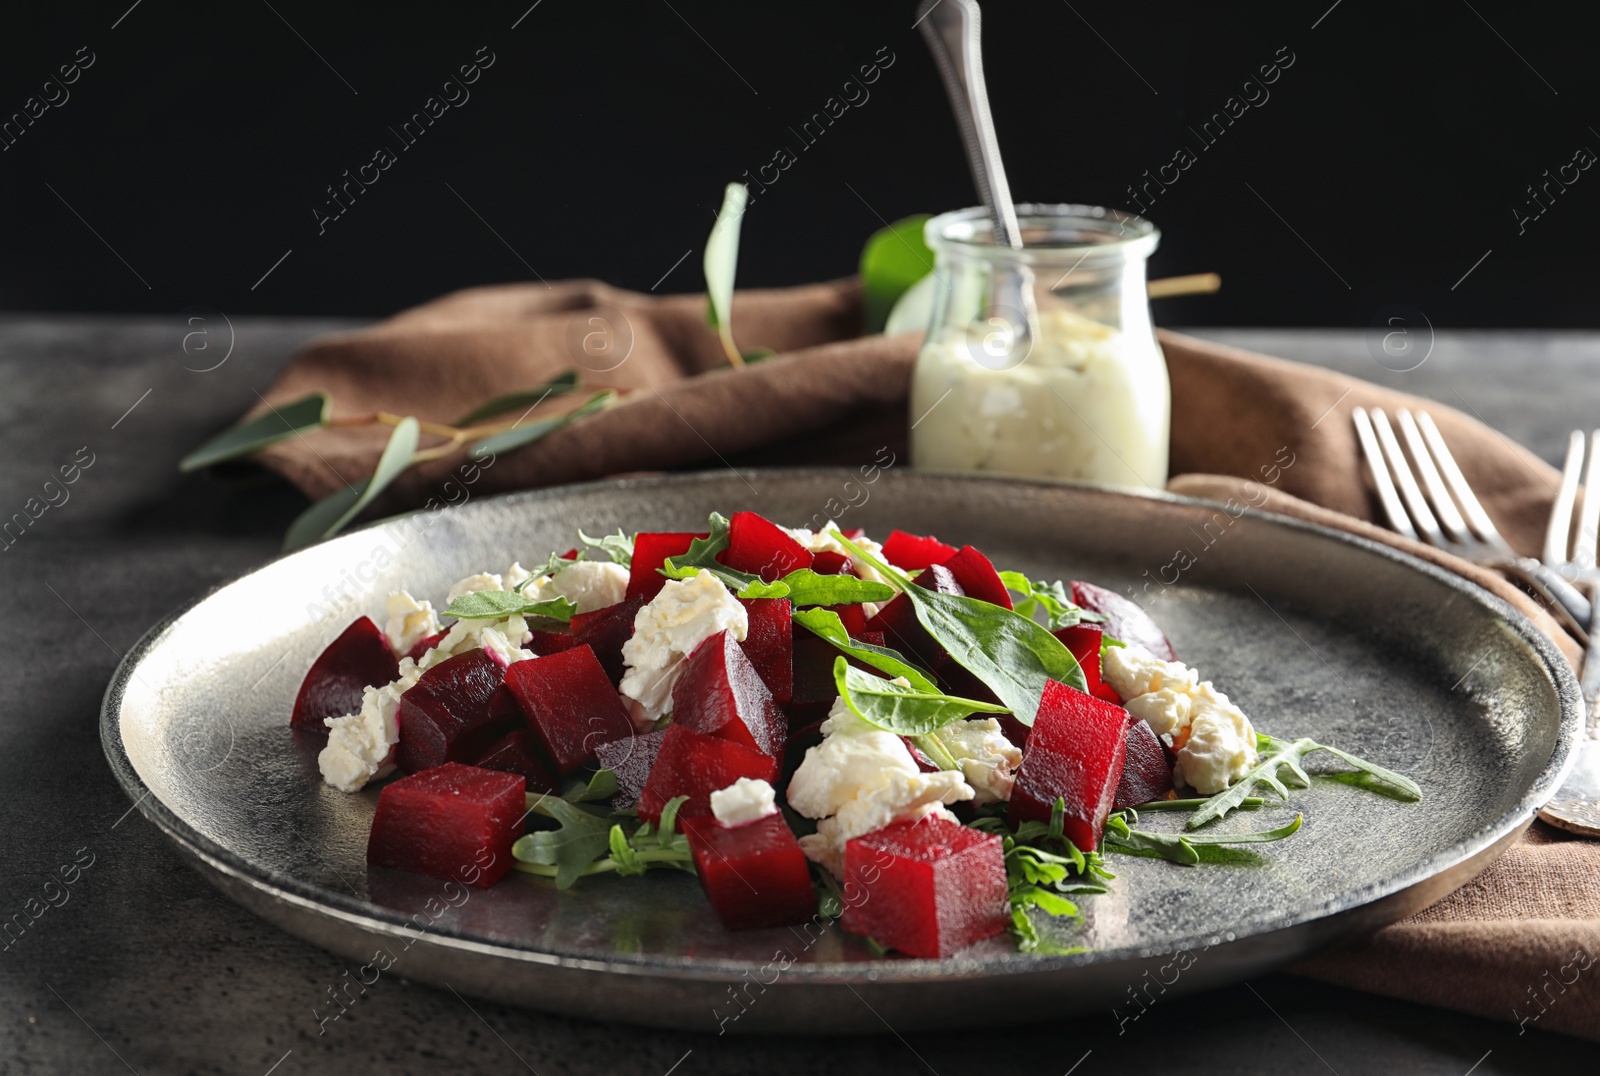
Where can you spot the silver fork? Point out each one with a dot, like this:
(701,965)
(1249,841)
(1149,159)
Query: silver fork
(1576,804)
(1456,521)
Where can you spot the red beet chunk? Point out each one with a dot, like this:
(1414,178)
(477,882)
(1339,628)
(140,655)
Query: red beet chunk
(898,619)
(755,875)
(912,553)
(448,715)
(761,547)
(605,630)
(453,821)
(1125,619)
(769,643)
(720,693)
(545,643)
(650,551)
(695,765)
(977,577)
(1084,642)
(570,705)
(853,617)
(422,646)
(630,760)
(1146,774)
(924,763)
(516,752)
(831,564)
(359,658)
(931,887)
(813,668)
(1075,753)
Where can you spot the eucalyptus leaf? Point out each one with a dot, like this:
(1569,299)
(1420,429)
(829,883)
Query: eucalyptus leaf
(522,399)
(894,259)
(901,708)
(806,587)
(721,262)
(825,624)
(519,436)
(499,604)
(330,515)
(307,413)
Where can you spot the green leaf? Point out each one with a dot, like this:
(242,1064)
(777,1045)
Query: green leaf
(619,547)
(519,436)
(721,261)
(1051,598)
(825,624)
(806,587)
(581,839)
(1181,847)
(894,258)
(601,786)
(1249,803)
(1280,766)
(523,400)
(623,854)
(702,555)
(330,515)
(499,604)
(669,820)
(760,589)
(308,413)
(900,708)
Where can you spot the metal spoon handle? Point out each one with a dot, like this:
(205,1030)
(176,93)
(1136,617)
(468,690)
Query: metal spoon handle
(953,32)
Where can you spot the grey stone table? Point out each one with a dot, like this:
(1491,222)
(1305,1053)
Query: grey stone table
(141,966)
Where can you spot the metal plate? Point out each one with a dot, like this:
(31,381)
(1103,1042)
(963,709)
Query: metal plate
(1312,632)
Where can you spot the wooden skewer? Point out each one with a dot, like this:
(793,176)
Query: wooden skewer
(1193,284)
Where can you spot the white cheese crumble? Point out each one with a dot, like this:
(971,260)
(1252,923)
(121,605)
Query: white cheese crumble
(860,779)
(361,745)
(743,802)
(823,541)
(474,583)
(987,759)
(666,631)
(408,621)
(1214,740)
(588,584)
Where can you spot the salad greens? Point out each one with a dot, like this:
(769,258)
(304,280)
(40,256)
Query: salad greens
(1280,755)
(619,547)
(586,843)
(499,604)
(802,587)
(1181,847)
(901,708)
(1051,598)
(825,624)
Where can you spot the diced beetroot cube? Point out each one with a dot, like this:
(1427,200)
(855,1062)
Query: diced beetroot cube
(761,547)
(1074,753)
(898,619)
(912,553)
(977,577)
(447,716)
(570,705)
(545,643)
(695,765)
(927,888)
(1125,619)
(571,554)
(605,630)
(720,693)
(755,875)
(650,551)
(831,564)
(769,643)
(1084,642)
(813,668)
(422,646)
(359,658)
(1146,773)
(852,616)
(516,752)
(1014,730)
(924,763)
(452,821)
(630,760)
(804,734)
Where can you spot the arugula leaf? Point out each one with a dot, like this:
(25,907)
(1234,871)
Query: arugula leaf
(901,708)
(1011,654)
(522,399)
(1059,609)
(601,786)
(825,624)
(330,515)
(619,547)
(581,839)
(1278,756)
(1181,847)
(806,587)
(721,265)
(280,422)
(1038,877)
(761,589)
(702,554)
(1249,803)
(499,604)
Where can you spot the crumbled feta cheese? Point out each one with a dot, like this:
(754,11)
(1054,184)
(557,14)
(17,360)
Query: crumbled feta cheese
(497,643)
(860,779)
(469,634)
(823,541)
(666,631)
(361,745)
(1214,740)
(408,621)
(515,576)
(474,583)
(987,759)
(743,802)
(588,584)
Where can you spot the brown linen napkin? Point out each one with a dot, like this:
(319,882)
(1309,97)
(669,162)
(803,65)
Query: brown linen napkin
(1507,946)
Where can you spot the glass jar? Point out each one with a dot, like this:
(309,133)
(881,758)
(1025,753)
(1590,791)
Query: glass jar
(1043,361)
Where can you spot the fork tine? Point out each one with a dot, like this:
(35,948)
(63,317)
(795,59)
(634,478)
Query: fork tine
(1387,496)
(1410,492)
(1583,553)
(1449,518)
(1555,536)
(1482,525)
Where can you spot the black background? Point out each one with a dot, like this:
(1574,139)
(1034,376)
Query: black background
(1385,163)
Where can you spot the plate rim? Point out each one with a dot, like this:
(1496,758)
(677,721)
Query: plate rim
(374,919)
